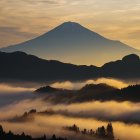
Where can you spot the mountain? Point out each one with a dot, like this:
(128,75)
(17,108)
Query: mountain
(21,66)
(72,43)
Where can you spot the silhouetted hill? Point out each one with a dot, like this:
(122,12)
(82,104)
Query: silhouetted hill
(71,42)
(130,93)
(87,93)
(100,92)
(21,66)
(49,89)
(128,67)
(97,88)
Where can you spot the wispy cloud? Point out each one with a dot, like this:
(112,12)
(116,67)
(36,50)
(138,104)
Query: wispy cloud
(78,85)
(114,19)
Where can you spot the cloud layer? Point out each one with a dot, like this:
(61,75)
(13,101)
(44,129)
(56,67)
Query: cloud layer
(85,115)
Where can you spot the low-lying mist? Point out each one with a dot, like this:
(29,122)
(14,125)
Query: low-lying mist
(77,85)
(54,124)
(106,111)
(10,94)
(16,99)
(85,115)
(16,91)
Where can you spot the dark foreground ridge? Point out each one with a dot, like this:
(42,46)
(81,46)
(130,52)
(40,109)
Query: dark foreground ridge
(24,67)
(12,136)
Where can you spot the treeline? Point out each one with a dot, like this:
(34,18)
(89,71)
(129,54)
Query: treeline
(11,136)
(100,132)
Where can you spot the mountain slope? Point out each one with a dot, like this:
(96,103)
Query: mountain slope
(21,66)
(71,42)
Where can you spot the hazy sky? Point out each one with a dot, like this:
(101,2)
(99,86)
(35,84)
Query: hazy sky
(21,20)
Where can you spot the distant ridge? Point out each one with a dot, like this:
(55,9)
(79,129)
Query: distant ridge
(72,43)
(96,92)
(21,66)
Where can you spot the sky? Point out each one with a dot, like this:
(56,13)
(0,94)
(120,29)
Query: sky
(21,20)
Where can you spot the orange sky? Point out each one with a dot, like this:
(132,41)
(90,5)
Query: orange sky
(21,20)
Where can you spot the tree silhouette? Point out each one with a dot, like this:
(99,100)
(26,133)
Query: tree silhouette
(11,136)
(1,130)
(110,132)
(101,131)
